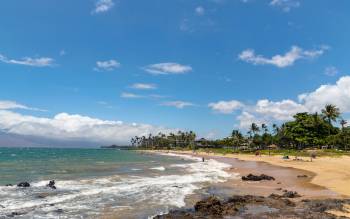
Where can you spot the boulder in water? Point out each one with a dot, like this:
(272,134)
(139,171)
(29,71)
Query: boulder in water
(23,184)
(51,184)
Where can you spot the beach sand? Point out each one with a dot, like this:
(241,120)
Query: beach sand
(332,173)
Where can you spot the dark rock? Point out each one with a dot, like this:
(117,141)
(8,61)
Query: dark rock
(302,176)
(291,194)
(249,207)
(251,177)
(23,184)
(52,184)
(211,205)
(8,185)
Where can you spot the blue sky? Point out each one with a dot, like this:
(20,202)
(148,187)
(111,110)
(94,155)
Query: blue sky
(208,66)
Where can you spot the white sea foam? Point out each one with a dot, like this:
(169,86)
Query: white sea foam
(161,168)
(90,196)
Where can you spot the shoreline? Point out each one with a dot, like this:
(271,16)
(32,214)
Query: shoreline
(286,179)
(326,172)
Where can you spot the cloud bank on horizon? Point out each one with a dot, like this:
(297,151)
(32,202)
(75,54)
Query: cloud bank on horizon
(64,126)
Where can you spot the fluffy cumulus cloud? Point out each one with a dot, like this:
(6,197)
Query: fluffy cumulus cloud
(167,68)
(337,94)
(280,110)
(102,6)
(143,86)
(226,107)
(285,5)
(281,61)
(108,65)
(178,104)
(265,111)
(65,126)
(34,62)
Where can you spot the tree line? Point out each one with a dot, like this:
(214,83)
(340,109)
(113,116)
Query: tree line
(324,129)
(179,139)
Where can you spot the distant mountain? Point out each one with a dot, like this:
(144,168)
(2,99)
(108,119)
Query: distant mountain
(15,140)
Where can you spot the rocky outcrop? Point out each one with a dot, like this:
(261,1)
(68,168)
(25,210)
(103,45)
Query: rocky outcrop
(210,206)
(248,206)
(23,184)
(251,177)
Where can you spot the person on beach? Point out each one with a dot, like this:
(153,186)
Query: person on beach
(203,159)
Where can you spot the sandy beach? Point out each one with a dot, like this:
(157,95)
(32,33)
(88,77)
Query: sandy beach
(332,173)
(323,178)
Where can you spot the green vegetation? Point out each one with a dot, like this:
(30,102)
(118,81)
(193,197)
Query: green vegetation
(325,130)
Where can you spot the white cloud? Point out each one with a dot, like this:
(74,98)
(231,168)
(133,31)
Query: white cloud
(65,126)
(246,119)
(103,6)
(108,65)
(6,105)
(331,71)
(178,104)
(34,62)
(280,110)
(167,68)
(337,94)
(285,5)
(143,86)
(281,61)
(130,95)
(268,111)
(226,107)
(199,10)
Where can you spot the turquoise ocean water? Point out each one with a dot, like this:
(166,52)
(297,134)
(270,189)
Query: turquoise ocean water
(93,183)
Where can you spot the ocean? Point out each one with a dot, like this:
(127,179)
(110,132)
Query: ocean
(99,183)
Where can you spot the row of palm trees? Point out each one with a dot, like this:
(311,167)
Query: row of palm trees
(179,139)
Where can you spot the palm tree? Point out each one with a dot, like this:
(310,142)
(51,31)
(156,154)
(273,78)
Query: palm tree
(343,122)
(275,128)
(331,113)
(264,128)
(254,128)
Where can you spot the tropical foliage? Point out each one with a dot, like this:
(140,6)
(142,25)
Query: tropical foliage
(306,130)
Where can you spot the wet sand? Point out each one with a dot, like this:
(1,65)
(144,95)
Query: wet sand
(286,178)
